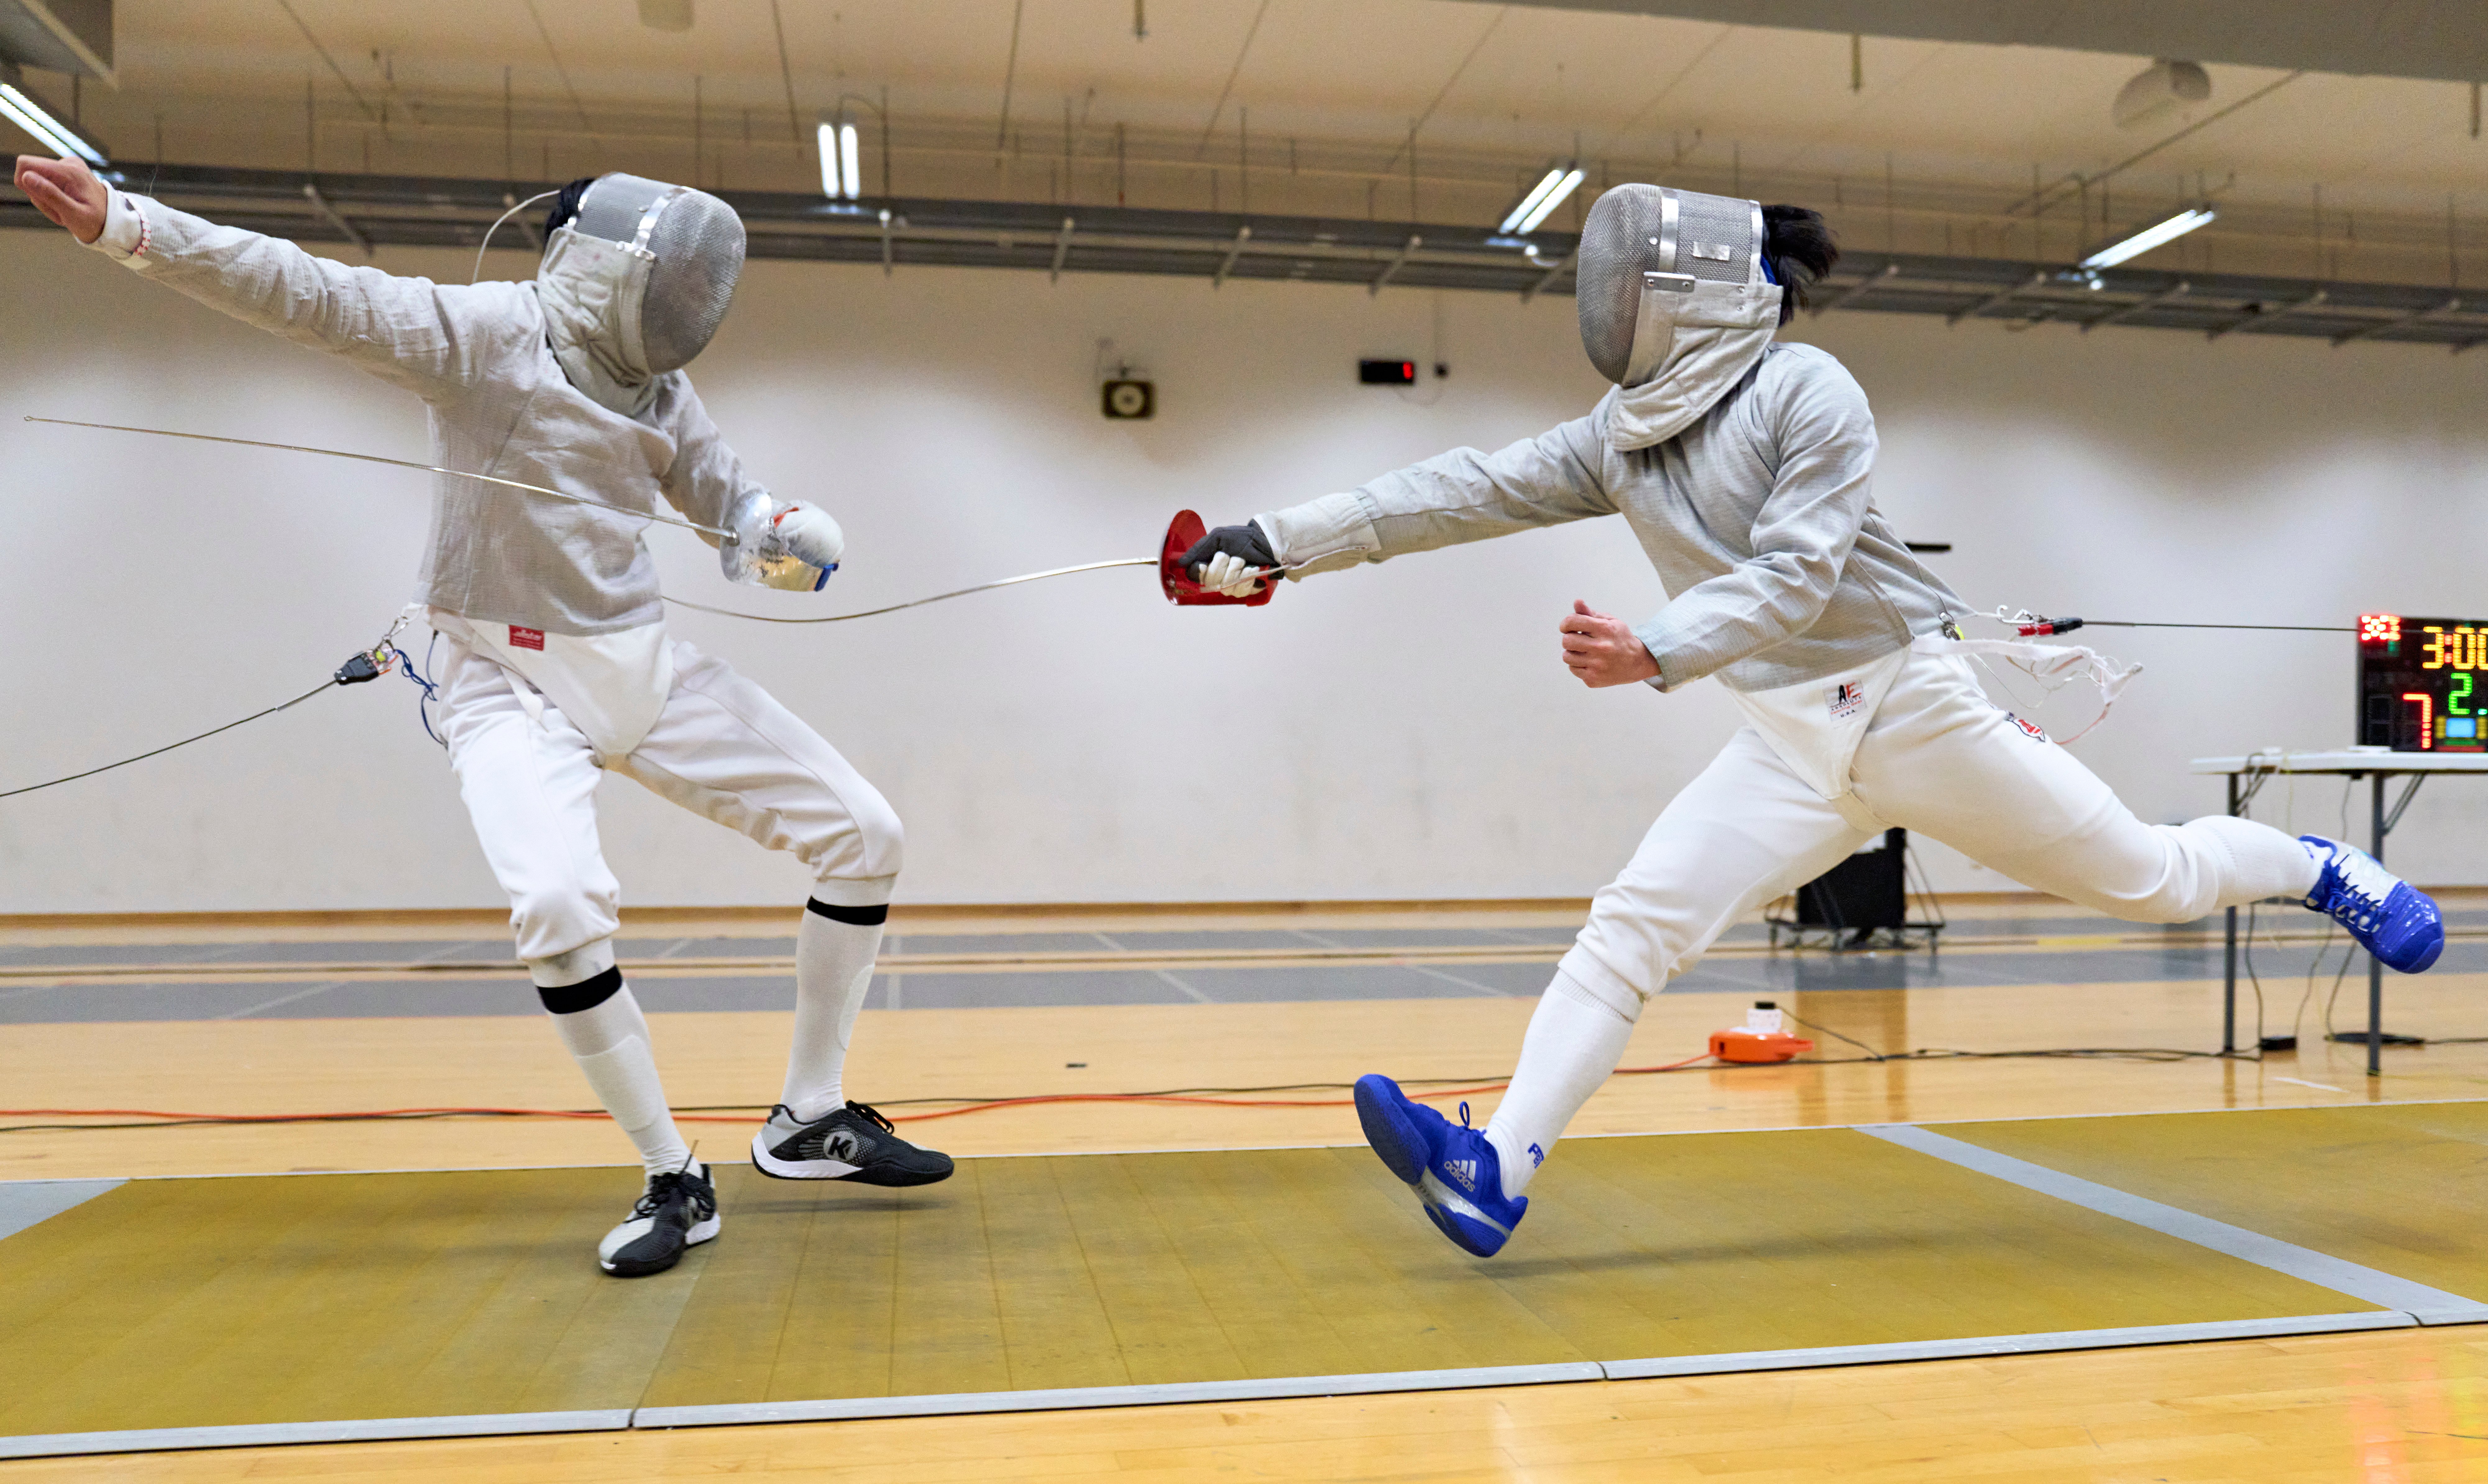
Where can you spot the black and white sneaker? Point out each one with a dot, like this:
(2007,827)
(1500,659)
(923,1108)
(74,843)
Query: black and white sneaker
(677,1212)
(853,1143)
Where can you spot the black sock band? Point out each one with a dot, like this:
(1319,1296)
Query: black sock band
(586,994)
(853,916)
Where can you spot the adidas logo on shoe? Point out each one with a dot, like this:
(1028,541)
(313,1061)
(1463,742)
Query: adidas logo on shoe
(1462,1170)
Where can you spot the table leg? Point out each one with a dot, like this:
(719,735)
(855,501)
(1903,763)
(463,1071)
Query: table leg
(2375,965)
(2229,976)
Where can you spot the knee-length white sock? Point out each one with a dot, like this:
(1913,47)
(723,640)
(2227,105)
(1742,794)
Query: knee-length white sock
(1575,1040)
(2257,860)
(834,954)
(598,1019)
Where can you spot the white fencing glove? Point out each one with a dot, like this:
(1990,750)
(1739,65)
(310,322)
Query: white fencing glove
(811,536)
(793,547)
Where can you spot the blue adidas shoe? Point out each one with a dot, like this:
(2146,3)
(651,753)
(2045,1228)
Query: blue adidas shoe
(1452,1168)
(2389,916)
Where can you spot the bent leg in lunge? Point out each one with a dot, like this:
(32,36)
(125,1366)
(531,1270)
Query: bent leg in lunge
(528,779)
(1747,830)
(726,750)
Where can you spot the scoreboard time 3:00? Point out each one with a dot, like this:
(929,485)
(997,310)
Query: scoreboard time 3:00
(2423,683)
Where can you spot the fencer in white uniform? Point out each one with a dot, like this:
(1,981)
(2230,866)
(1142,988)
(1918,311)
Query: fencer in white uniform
(559,666)
(1744,466)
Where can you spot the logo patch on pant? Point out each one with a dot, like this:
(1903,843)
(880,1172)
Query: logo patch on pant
(526,638)
(2029,729)
(1848,698)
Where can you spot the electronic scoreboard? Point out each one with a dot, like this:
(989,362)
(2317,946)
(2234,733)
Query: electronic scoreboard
(2423,683)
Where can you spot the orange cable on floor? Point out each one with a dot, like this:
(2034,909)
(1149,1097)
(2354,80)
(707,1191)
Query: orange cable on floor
(163,1118)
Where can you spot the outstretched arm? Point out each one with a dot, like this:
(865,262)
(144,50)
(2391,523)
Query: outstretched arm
(408,331)
(1462,496)
(1801,537)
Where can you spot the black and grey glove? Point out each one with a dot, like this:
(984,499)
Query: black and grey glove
(1233,560)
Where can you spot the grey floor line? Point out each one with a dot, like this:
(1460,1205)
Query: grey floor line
(248,1011)
(1466,984)
(257,1435)
(1162,1394)
(2428,1306)
(1177,1393)
(25,1202)
(504,1424)
(2005,1345)
(1183,987)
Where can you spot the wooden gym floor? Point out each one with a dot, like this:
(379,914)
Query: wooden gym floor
(2381,1186)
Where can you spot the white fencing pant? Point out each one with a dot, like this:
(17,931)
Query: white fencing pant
(723,748)
(1940,758)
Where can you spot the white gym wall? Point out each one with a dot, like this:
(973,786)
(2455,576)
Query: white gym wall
(1403,731)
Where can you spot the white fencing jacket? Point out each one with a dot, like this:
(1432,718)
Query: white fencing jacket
(1758,516)
(564,593)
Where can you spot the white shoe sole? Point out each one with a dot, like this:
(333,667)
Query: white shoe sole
(796,1169)
(701,1231)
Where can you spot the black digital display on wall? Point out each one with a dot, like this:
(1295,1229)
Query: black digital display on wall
(2423,683)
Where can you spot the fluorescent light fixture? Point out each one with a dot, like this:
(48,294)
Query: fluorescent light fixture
(840,180)
(1542,199)
(2143,240)
(50,132)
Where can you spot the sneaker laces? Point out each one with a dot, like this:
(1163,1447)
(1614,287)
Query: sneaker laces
(2363,876)
(661,1188)
(664,1186)
(871,1115)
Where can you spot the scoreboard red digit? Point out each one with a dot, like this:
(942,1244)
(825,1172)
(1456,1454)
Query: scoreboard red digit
(2421,683)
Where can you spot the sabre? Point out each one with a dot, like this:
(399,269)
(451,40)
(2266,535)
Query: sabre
(403,463)
(981,587)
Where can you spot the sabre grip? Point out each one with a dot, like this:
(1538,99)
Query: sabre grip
(1245,542)
(2047,625)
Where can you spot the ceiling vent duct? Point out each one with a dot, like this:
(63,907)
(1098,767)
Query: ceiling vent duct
(59,35)
(2161,93)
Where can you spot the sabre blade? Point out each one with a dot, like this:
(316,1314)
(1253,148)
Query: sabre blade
(402,464)
(981,587)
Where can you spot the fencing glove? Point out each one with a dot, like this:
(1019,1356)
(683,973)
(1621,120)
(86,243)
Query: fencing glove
(810,534)
(1233,560)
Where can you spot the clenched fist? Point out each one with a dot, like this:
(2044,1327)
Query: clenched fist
(1600,649)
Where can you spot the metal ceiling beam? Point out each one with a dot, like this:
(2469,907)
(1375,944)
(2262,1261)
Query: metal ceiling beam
(2445,39)
(60,36)
(2000,296)
(394,210)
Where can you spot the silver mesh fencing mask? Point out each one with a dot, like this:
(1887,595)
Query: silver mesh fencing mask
(692,245)
(1651,258)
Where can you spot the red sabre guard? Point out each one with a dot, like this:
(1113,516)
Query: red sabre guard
(1186,529)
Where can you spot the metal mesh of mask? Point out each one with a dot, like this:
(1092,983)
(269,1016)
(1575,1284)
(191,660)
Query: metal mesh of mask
(1624,237)
(697,242)
(1620,234)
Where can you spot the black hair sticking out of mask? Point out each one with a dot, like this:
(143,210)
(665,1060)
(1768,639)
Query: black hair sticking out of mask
(1799,246)
(566,204)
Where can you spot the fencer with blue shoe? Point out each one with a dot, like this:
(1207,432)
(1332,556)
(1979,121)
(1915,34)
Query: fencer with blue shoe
(1451,1166)
(2389,916)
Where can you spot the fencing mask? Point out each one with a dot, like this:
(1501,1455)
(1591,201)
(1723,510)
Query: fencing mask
(1677,304)
(635,281)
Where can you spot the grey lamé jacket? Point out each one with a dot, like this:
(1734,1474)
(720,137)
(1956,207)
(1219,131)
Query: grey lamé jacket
(480,358)
(1758,516)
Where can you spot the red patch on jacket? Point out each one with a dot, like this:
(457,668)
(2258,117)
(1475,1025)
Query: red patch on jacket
(526,638)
